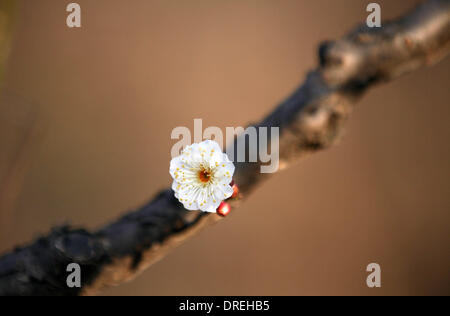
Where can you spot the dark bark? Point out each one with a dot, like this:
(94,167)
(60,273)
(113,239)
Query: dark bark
(309,120)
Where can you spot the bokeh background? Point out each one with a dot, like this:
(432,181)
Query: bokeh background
(87,113)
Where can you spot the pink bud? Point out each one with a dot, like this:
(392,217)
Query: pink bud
(223,209)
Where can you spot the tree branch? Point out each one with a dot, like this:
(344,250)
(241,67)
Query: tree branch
(309,120)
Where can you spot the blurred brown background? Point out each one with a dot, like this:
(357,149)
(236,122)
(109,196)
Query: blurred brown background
(102,101)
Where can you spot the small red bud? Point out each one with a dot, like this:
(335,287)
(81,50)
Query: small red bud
(223,209)
(235,189)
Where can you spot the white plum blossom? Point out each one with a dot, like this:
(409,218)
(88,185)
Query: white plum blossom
(201,176)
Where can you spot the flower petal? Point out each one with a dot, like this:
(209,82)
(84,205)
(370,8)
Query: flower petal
(190,188)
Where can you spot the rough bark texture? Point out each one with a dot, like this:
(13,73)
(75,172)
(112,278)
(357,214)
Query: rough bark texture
(309,120)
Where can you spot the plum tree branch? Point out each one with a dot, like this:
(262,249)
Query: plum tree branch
(309,120)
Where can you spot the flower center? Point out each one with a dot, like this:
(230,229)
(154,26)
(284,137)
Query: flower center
(204,175)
